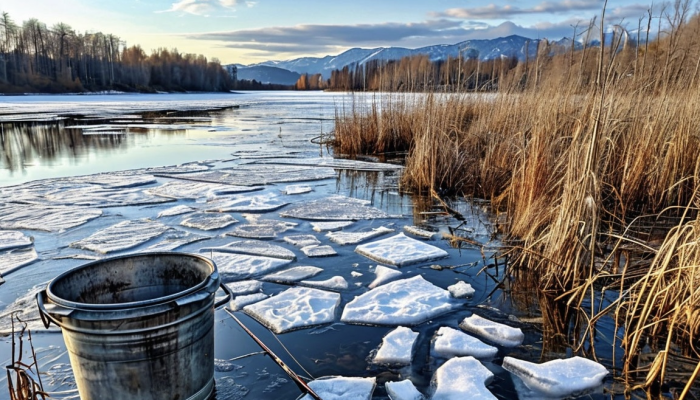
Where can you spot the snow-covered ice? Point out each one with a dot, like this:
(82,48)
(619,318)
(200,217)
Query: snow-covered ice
(556,379)
(344,238)
(416,231)
(397,347)
(297,189)
(294,274)
(318,251)
(247,204)
(302,240)
(234,266)
(334,208)
(342,388)
(462,378)
(384,274)
(197,190)
(98,196)
(238,302)
(450,342)
(261,229)
(177,210)
(14,239)
(175,238)
(403,302)
(255,175)
(331,226)
(295,308)
(122,236)
(400,250)
(254,247)
(356,274)
(334,283)
(117,179)
(208,221)
(26,308)
(11,260)
(403,390)
(493,331)
(42,218)
(461,290)
(244,287)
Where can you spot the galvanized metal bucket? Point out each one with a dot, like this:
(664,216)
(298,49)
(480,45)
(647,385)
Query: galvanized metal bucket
(139,326)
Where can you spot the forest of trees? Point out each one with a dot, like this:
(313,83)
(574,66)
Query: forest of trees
(37,58)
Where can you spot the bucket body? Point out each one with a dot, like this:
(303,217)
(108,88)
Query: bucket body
(139,326)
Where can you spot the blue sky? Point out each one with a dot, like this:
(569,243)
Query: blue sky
(246,32)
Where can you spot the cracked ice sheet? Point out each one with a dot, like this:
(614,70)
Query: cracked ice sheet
(98,196)
(404,302)
(384,274)
(197,190)
(41,218)
(177,210)
(397,347)
(14,259)
(174,239)
(255,175)
(239,302)
(292,275)
(26,308)
(208,222)
(244,287)
(400,250)
(337,163)
(343,238)
(493,331)
(247,204)
(255,248)
(295,308)
(342,388)
(334,208)
(14,239)
(462,378)
(403,390)
(126,179)
(122,236)
(233,267)
(334,283)
(330,226)
(556,379)
(450,342)
(261,229)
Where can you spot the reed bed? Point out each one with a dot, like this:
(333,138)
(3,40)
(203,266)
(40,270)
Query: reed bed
(586,153)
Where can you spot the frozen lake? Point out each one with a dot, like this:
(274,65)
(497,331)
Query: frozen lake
(361,271)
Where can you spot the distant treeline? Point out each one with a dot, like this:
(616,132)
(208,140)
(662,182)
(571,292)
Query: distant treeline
(36,58)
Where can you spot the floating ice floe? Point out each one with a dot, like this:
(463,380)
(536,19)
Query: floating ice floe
(334,208)
(98,196)
(331,226)
(208,221)
(12,260)
(416,231)
(178,169)
(384,274)
(14,239)
(302,240)
(318,251)
(450,342)
(403,302)
(397,347)
(41,218)
(461,290)
(403,390)
(247,204)
(334,283)
(295,308)
(227,388)
(556,379)
(238,302)
(244,287)
(493,331)
(462,378)
(255,175)
(197,190)
(297,189)
(400,250)
(25,307)
(177,210)
(175,238)
(234,266)
(292,275)
(342,388)
(337,163)
(261,229)
(343,238)
(122,236)
(356,274)
(254,247)
(118,180)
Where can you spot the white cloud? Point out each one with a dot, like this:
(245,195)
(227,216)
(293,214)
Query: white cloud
(207,7)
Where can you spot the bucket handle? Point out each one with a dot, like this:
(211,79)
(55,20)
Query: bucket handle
(46,317)
(229,296)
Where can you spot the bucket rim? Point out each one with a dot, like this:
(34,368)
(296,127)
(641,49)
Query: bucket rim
(211,280)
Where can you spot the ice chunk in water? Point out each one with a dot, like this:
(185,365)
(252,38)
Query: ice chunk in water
(174,239)
(227,388)
(177,210)
(254,247)
(450,342)
(318,251)
(292,275)
(42,218)
(26,308)
(462,378)
(14,239)
(407,301)
(397,347)
(247,204)
(254,175)
(400,250)
(343,238)
(334,208)
(461,290)
(493,331)
(98,196)
(416,231)
(208,221)
(295,308)
(118,179)
(384,274)
(12,260)
(234,267)
(241,301)
(244,287)
(342,388)
(122,236)
(334,283)
(261,229)
(297,189)
(403,390)
(197,190)
(302,240)
(556,379)
(330,226)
